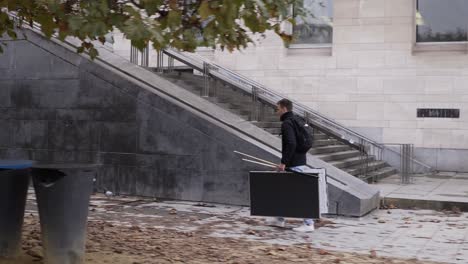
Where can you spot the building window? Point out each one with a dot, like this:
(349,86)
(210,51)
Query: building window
(441,20)
(314,27)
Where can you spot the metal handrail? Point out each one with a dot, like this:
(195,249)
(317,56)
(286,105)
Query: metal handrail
(250,86)
(197,61)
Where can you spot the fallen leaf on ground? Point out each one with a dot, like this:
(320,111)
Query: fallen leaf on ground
(323,252)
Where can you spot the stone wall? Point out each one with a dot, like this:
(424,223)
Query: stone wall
(56,106)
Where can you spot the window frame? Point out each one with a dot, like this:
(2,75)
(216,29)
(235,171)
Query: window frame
(457,47)
(321,48)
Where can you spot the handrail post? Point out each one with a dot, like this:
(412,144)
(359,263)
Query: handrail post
(206,75)
(133,54)
(170,64)
(160,62)
(255,113)
(145,56)
(406,163)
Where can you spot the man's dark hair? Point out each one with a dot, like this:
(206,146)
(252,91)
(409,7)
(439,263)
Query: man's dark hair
(286,103)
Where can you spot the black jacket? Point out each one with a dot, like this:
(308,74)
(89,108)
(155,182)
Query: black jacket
(291,158)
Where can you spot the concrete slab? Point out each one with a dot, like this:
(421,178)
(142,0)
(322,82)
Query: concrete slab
(444,190)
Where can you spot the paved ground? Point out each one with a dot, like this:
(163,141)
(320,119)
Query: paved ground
(441,191)
(133,230)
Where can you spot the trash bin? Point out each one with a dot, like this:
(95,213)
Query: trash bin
(63,192)
(14,182)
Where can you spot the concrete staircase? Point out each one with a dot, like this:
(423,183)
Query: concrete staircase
(341,154)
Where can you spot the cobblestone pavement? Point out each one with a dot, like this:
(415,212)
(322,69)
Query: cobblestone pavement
(134,230)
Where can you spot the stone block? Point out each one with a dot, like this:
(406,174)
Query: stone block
(460,85)
(6,133)
(76,114)
(347,60)
(401,111)
(398,33)
(403,124)
(45,93)
(346,8)
(399,8)
(395,58)
(74,135)
(33,113)
(31,62)
(459,139)
(371,34)
(216,183)
(371,59)
(24,96)
(7,57)
(374,133)
(5,92)
(64,156)
(30,134)
(338,85)
(372,8)
(374,98)
(370,85)
(338,110)
(125,180)
(452,160)
(118,137)
(370,111)
(439,85)
(436,138)
(165,134)
(404,86)
(403,136)
(345,34)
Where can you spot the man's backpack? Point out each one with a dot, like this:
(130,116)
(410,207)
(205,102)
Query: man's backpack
(304,134)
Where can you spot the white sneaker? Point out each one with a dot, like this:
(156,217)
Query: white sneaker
(275,222)
(305,228)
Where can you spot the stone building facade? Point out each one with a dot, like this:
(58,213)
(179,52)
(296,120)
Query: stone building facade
(376,73)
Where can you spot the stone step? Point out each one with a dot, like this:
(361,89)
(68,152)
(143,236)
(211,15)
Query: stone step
(274,130)
(239,112)
(339,155)
(361,169)
(267,124)
(329,149)
(235,107)
(346,163)
(196,84)
(270,118)
(379,174)
(326,142)
(318,136)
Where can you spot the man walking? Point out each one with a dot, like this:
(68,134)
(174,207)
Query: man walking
(293,157)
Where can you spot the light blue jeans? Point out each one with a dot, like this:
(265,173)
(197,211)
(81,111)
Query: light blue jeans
(299,169)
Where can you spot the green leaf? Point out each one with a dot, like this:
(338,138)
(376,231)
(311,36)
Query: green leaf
(93,53)
(12,34)
(174,19)
(152,6)
(76,22)
(205,11)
